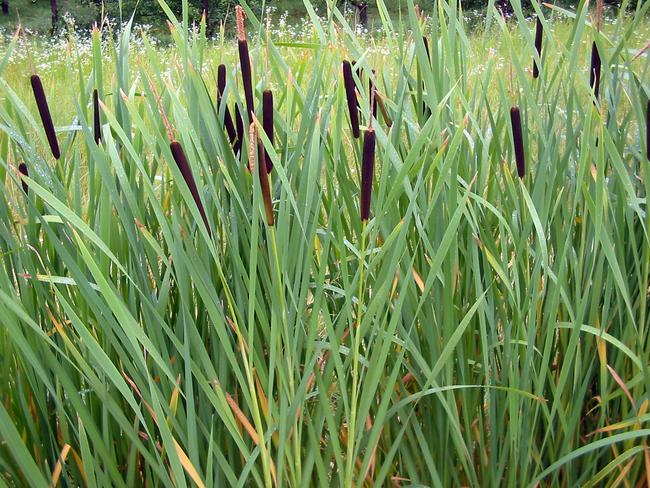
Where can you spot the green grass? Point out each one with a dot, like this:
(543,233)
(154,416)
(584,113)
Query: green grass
(478,330)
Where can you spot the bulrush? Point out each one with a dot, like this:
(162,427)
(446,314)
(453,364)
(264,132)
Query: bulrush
(351,96)
(594,71)
(539,34)
(46,118)
(96,118)
(240,130)
(245,62)
(267,123)
(227,118)
(515,122)
(262,172)
(22,167)
(181,161)
(367,171)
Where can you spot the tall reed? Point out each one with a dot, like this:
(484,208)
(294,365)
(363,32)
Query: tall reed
(46,118)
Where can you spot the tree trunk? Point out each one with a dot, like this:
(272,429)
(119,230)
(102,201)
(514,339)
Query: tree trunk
(55,14)
(5,7)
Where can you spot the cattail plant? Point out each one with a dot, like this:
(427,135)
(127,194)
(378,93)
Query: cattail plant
(367,171)
(594,71)
(351,96)
(539,34)
(183,165)
(22,168)
(46,118)
(227,118)
(517,138)
(240,129)
(96,118)
(262,173)
(245,62)
(267,123)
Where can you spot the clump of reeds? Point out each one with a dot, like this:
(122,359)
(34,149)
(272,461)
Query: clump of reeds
(96,118)
(351,96)
(245,62)
(367,172)
(46,118)
(227,118)
(267,123)
(517,138)
(539,34)
(183,165)
(594,71)
(22,168)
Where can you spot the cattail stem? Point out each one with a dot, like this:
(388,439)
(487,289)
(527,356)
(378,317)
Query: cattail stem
(515,122)
(351,96)
(367,171)
(267,123)
(539,34)
(96,118)
(22,167)
(594,71)
(227,118)
(183,165)
(46,118)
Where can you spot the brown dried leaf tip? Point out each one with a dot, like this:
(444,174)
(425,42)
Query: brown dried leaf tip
(367,172)
(351,96)
(46,118)
(517,138)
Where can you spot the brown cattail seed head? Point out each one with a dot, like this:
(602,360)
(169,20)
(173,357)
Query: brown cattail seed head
(183,165)
(264,179)
(367,171)
(351,96)
(240,129)
(221,80)
(594,71)
(373,97)
(515,122)
(96,118)
(22,167)
(539,33)
(46,118)
(227,118)
(267,123)
(247,77)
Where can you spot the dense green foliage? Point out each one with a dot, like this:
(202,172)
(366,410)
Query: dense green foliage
(480,329)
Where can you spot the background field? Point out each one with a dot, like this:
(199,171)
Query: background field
(480,329)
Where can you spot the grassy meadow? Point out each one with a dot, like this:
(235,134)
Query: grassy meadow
(192,298)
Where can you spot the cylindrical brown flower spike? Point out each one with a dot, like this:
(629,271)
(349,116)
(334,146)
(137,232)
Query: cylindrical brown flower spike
(22,167)
(245,62)
(181,161)
(367,171)
(240,130)
(46,118)
(515,122)
(96,118)
(351,96)
(372,93)
(264,183)
(267,123)
(594,71)
(227,118)
(539,33)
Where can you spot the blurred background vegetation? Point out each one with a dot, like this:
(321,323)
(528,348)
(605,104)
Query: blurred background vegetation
(51,15)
